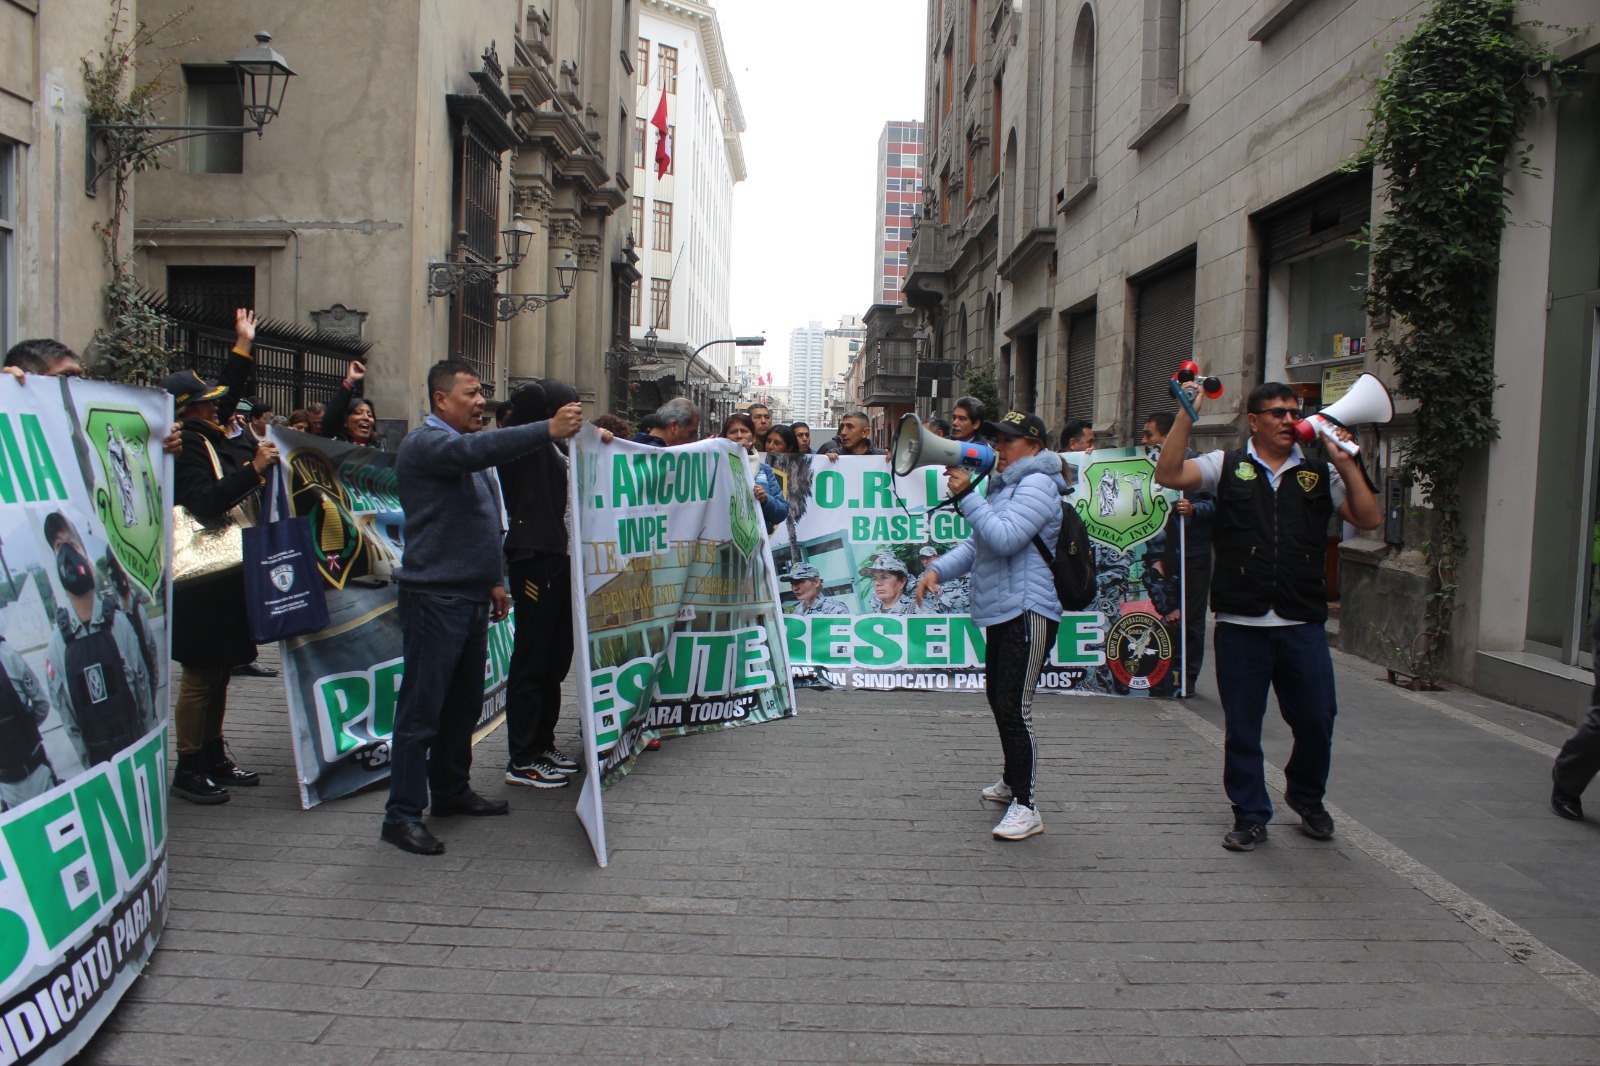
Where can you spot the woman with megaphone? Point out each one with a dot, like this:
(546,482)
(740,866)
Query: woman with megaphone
(1013,595)
(1269,533)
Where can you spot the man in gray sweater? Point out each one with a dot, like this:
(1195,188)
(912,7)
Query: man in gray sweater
(451,586)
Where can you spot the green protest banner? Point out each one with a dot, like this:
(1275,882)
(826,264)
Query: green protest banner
(343,683)
(675,607)
(857,538)
(85,525)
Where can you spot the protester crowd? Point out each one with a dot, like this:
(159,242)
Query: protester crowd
(486,521)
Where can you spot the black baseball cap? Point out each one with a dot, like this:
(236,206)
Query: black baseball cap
(1017,424)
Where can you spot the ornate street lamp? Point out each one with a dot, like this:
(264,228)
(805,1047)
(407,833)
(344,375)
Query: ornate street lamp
(513,304)
(446,277)
(263,79)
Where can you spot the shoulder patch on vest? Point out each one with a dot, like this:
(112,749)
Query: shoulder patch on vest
(1245,471)
(1308,479)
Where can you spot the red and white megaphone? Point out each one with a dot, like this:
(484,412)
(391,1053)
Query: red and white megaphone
(1366,401)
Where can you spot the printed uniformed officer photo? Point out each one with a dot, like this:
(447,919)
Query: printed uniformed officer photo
(889,580)
(806,580)
(95,668)
(25,770)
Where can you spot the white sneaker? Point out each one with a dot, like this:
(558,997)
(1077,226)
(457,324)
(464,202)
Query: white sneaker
(999,792)
(1020,823)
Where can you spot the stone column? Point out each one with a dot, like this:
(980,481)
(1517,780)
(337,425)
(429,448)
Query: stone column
(531,199)
(592,331)
(560,318)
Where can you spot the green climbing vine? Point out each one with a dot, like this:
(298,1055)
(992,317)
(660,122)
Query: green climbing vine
(1447,121)
(132,347)
(982,385)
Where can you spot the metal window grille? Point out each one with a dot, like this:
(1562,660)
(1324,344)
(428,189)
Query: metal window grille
(473,324)
(215,290)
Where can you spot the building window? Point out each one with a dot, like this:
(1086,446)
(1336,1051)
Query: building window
(994,136)
(1080,366)
(1164,337)
(663,224)
(672,146)
(636,303)
(972,31)
(8,244)
(944,198)
(661,303)
(949,78)
(211,290)
(1163,35)
(643,62)
(214,100)
(669,69)
(638,221)
(477,209)
(1080,117)
(639,142)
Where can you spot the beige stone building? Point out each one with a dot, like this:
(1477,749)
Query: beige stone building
(411,136)
(52,269)
(1113,187)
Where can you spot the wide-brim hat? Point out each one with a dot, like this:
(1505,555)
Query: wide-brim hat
(886,561)
(1017,424)
(186,387)
(803,572)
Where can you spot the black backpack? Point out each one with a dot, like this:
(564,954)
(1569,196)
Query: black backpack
(1072,564)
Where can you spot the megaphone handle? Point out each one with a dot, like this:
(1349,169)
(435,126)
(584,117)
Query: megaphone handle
(1349,447)
(1182,397)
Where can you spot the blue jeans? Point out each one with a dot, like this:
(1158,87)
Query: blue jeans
(441,696)
(1294,661)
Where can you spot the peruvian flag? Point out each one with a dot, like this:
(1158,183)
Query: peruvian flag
(663,140)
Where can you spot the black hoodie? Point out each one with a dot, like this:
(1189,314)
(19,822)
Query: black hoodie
(535,486)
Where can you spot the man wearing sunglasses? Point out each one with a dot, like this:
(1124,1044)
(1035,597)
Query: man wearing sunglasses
(1267,589)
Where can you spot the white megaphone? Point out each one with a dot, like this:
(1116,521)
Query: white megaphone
(1366,401)
(914,446)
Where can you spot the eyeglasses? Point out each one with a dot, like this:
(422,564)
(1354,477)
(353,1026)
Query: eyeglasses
(1278,412)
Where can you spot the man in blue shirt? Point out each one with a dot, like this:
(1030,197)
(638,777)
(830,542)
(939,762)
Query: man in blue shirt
(451,585)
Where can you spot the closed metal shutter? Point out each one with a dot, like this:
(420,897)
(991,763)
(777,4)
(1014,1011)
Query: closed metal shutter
(1312,219)
(1080,367)
(1165,338)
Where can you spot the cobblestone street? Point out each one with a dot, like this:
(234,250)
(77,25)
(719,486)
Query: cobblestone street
(825,889)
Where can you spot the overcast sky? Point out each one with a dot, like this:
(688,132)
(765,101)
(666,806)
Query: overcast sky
(817,82)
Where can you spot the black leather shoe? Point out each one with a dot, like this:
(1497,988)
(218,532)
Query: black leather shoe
(413,837)
(221,768)
(254,670)
(1565,805)
(474,806)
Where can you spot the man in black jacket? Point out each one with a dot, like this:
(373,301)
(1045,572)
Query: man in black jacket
(1270,535)
(535,490)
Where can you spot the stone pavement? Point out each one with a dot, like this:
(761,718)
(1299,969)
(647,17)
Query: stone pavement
(825,889)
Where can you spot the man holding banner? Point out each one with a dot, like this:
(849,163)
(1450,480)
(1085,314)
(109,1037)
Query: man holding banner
(451,584)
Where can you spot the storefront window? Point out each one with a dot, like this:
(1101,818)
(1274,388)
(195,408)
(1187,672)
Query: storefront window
(1325,293)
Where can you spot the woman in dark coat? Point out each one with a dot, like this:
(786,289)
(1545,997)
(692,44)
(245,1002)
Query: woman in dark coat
(210,631)
(351,417)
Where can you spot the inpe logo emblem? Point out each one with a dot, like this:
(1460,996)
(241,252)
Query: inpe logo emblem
(283,577)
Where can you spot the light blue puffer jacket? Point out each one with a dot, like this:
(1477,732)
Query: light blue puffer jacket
(1009,575)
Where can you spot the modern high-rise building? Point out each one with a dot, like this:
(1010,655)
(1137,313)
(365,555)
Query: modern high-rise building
(683,218)
(807,388)
(899,196)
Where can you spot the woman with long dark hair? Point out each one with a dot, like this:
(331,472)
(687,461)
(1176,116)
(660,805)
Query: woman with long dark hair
(739,428)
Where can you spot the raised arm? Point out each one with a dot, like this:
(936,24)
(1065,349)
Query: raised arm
(1173,471)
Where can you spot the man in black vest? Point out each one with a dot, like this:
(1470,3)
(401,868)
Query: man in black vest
(1268,591)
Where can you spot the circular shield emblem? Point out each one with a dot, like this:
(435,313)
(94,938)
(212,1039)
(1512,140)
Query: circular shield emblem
(1139,650)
